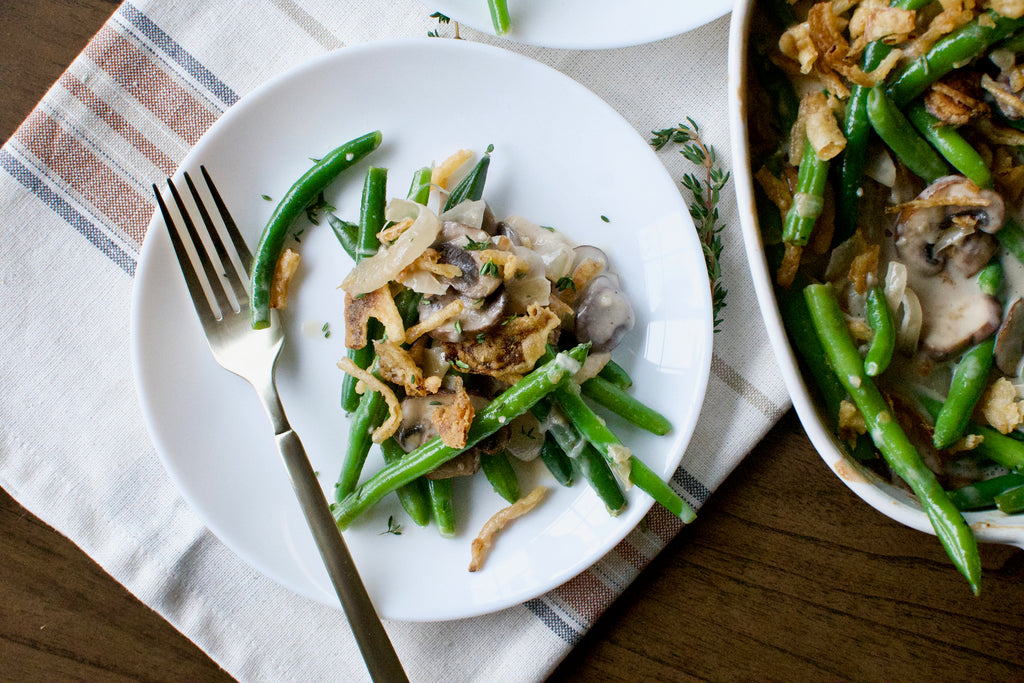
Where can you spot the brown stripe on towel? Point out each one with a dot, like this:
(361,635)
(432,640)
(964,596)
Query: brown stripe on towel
(745,389)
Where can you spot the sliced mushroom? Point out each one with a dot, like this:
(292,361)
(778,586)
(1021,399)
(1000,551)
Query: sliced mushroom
(603,313)
(477,314)
(943,226)
(944,238)
(475,282)
(417,428)
(1010,339)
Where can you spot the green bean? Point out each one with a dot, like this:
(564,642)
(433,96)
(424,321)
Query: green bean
(371,222)
(500,473)
(419,190)
(808,198)
(555,459)
(500,19)
(1011,501)
(894,129)
(302,192)
(889,437)
(966,387)
(801,332)
(407,302)
(616,374)
(442,504)
(591,464)
(990,279)
(951,51)
(472,186)
(606,394)
(1014,43)
(777,86)
(997,447)
(983,494)
(506,407)
(370,411)
(1011,238)
(594,430)
(857,129)
(951,145)
(346,232)
(883,343)
(413,496)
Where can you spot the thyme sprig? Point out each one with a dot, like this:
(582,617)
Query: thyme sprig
(705,191)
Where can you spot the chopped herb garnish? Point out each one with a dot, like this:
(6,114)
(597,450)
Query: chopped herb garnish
(489,268)
(267,197)
(548,228)
(393,528)
(326,329)
(436,403)
(476,246)
(297,235)
(605,218)
(441,18)
(480,338)
(458,327)
(706,192)
(460,364)
(565,283)
(528,433)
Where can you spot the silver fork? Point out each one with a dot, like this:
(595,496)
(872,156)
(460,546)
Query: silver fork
(252,355)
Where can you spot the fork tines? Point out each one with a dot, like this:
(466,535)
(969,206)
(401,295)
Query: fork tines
(224,276)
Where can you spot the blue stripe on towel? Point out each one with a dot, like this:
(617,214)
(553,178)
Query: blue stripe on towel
(173,50)
(554,622)
(62,208)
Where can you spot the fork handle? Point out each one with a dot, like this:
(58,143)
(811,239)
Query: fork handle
(374,644)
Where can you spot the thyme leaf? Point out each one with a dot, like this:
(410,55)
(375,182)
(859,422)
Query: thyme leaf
(705,188)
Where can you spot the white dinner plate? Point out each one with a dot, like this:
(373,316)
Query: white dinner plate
(588,24)
(562,157)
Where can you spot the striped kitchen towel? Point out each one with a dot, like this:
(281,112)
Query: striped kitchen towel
(75,200)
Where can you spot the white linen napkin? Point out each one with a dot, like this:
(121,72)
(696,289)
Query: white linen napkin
(75,201)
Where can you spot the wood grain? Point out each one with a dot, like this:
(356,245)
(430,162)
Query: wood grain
(785,576)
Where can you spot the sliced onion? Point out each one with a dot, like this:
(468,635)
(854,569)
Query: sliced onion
(895,284)
(807,205)
(910,322)
(554,248)
(376,271)
(951,236)
(881,168)
(469,213)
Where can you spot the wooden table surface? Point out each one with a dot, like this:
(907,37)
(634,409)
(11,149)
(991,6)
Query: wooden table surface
(785,576)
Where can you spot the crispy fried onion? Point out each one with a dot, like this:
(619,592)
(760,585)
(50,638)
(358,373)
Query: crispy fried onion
(790,264)
(434,321)
(510,350)
(377,304)
(1011,9)
(905,307)
(284,270)
(440,174)
(864,268)
(376,271)
(876,20)
(851,422)
(430,262)
(933,201)
(949,19)
(453,420)
(818,124)
(394,231)
(398,367)
(1001,407)
(371,383)
(482,543)
(1009,103)
(511,265)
